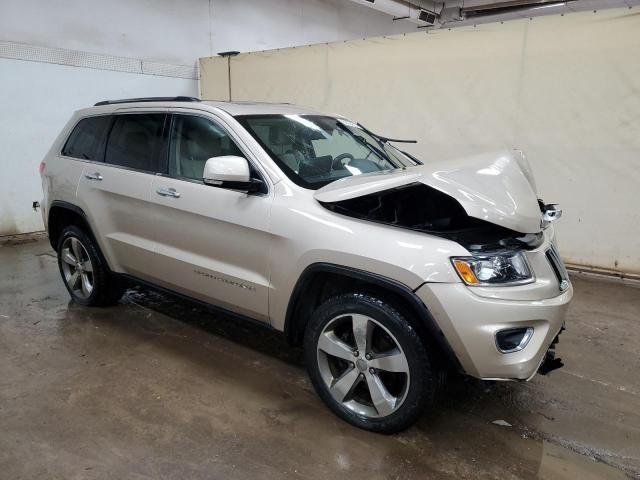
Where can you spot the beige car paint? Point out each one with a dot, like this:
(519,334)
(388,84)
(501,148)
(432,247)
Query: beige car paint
(306,233)
(212,244)
(61,177)
(247,252)
(118,208)
(470,322)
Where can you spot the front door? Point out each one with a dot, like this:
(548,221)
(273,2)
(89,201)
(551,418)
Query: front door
(211,243)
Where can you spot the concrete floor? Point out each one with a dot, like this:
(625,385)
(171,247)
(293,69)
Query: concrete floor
(156,388)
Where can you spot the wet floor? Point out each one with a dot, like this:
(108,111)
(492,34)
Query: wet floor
(158,388)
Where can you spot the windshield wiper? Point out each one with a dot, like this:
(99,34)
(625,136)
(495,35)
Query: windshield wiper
(381,141)
(419,162)
(383,155)
(384,139)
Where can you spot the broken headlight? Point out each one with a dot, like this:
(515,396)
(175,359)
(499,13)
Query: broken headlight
(511,268)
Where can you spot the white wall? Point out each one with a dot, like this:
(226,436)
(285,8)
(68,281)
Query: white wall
(562,88)
(101,36)
(182,31)
(37,99)
(252,25)
(160,30)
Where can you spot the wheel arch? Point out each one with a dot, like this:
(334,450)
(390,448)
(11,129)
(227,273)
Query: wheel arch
(319,281)
(62,214)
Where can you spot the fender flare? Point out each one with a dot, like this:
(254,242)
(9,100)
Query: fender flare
(66,206)
(78,211)
(426,320)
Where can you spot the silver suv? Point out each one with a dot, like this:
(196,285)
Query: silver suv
(386,270)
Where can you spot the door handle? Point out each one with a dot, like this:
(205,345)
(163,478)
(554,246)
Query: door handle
(94,176)
(168,192)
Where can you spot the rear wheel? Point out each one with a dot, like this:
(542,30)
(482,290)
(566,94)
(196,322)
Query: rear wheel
(83,270)
(367,363)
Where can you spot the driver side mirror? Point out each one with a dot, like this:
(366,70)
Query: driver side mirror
(230,171)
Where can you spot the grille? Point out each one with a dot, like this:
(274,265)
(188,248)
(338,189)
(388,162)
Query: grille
(558,267)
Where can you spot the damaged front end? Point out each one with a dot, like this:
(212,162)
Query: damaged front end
(419,207)
(486,202)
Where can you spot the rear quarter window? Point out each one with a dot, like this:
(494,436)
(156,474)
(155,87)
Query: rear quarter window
(86,138)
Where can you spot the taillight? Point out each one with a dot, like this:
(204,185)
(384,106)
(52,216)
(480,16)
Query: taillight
(42,165)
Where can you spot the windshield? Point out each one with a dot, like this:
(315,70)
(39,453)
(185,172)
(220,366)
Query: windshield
(314,150)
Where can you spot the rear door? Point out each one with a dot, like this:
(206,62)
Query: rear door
(211,243)
(115,193)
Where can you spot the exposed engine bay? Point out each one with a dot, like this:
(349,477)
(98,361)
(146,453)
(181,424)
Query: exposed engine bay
(422,208)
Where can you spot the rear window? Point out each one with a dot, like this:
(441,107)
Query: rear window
(86,138)
(135,141)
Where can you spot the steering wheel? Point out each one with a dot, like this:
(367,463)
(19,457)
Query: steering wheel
(338,160)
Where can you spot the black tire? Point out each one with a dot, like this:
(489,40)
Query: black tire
(106,288)
(422,380)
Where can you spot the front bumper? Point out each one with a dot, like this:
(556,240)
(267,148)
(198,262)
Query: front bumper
(470,321)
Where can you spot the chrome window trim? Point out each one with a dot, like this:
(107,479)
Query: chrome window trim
(110,165)
(111,114)
(249,155)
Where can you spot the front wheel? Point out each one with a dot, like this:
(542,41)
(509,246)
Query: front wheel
(367,363)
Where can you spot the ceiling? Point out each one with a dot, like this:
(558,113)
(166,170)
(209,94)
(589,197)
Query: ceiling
(549,9)
(465,12)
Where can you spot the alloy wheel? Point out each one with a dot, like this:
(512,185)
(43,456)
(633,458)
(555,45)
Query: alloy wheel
(362,365)
(77,267)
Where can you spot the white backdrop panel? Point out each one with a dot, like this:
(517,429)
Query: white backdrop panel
(565,89)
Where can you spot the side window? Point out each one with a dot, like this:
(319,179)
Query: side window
(194,140)
(86,138)
(135,141)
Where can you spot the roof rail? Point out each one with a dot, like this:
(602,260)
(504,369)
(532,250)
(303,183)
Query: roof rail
(148,99)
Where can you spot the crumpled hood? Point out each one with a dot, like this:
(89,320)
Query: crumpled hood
(496,187)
